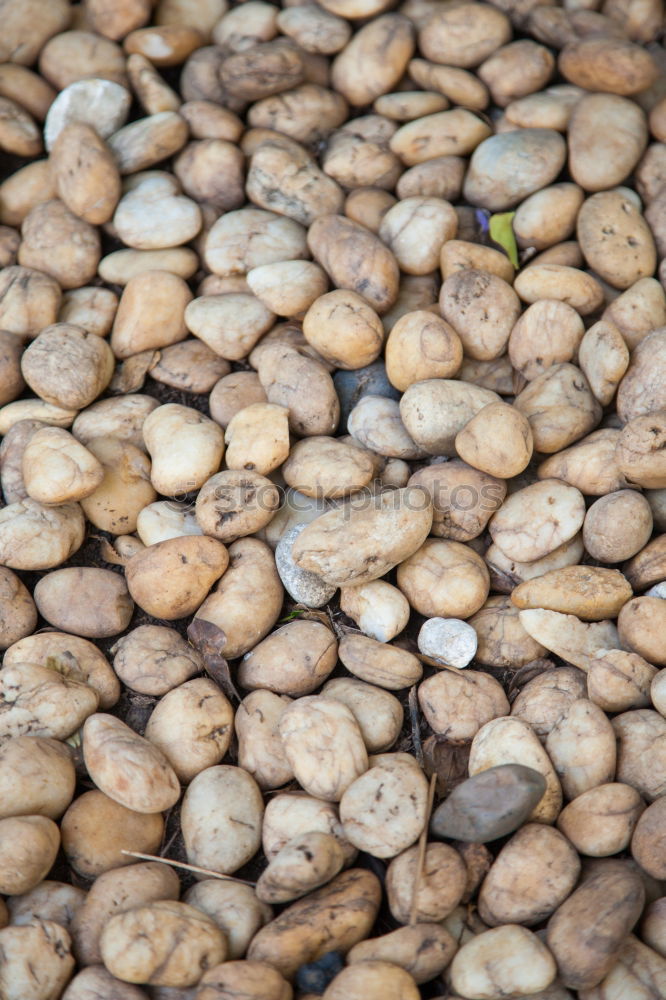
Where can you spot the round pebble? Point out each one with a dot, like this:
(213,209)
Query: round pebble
(448,640)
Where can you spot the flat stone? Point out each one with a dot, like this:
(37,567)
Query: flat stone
(489,805)
(589,592)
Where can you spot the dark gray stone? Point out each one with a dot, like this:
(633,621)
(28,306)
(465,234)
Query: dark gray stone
(353,385)
(489,805)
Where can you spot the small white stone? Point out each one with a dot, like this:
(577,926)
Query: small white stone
(302,586)
(658,590)
(147,218)
(448,640)
(101,103)
(379,609)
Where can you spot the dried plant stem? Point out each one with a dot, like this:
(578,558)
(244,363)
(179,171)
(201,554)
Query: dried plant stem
(415,725)
(188,868)
(423,843)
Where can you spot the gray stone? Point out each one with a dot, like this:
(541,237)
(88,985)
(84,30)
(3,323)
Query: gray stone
(302,585)
(508,167)
(489,805)
(351,386)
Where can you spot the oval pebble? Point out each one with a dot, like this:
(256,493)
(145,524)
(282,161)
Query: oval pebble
(384,811)
(448,640)
(356,544)
(126,767)
(489,805)
(221,818)
(537,519)
(506,168)
(324,746)
(85,600)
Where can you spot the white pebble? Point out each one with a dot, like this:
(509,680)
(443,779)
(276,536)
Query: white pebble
(658,590)
(302,585)
(448,640)
(101,103)
(149,217)
(379,609)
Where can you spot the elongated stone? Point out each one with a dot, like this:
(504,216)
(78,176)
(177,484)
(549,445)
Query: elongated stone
(489,805)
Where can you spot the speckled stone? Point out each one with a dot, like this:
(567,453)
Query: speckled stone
(302,585)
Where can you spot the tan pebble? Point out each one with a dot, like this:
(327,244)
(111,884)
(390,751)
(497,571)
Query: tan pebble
(127,767)
(497,440)
(537,519)
(589,592)
(575,641)
(58,243)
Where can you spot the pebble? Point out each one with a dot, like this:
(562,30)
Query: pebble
(384,810)
(166,943)
(379,609)
(34,536)
(356,544)
(489,805)
(352,386)
(448,640)
(127,767)
(330,919)
(221,817)
(575,641)
(504,961)
(39,700)
(151,217)
(302,585)
(317,729)
(537,519)
(101,103)
(85,600)
(589,592)
(506,168)
(615,129)
(379,662)
(456,703)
